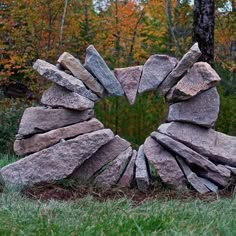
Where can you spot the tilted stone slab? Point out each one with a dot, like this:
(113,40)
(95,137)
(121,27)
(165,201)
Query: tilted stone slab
(214,188)
(165,164)
(39,142)
(183,65)
(56,162)
(155,70)
(202,109)
(95,64)
(40,119)
(205,168)
(110,176)
(200,78)
(63,79)
(218,147)
(57,96)
(73,64)
(129,79)
(103,156)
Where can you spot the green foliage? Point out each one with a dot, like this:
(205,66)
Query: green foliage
(6,159)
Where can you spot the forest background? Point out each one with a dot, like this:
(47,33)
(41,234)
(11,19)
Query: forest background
(125,33)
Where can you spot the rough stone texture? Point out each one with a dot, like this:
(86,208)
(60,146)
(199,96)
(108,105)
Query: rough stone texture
(61,78)
(202,110)
(224,170)
(209,184)
(95,64)
(200,78)
(110,176)
(218,147)
(57,96)
(202,166)
(129,79)
(232,169)
(184,64)
(2,183)
(127,178)
(73,64)
(141,171)
(40,119)
(165,164)
(155,70)
(56,162)
(104,155)
(192,178)
(39,142)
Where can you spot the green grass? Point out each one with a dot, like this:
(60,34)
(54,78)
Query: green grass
(6,159)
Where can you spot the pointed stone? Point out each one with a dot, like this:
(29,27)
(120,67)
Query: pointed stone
(95,64)
(155,70)
(61,78)
(209,185)
(129,79)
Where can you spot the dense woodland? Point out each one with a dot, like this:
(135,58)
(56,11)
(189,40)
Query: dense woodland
(126,33)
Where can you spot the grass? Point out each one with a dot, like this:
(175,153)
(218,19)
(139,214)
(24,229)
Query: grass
(6,159)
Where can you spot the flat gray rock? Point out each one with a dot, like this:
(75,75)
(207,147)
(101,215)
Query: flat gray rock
(155,70)
(39,142)
(202,109)
(141,171)
(63,79)
(110,176)
(103,156)
(183,65)
(165,164)
(199,164)
(73,64)
(200,78)
(56,162)
(57,96)
(40,119)
(216,146)
(129,79)
(214,188)
(232,169)
(95,64)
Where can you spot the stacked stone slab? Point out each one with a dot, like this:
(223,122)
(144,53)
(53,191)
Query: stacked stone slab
(62,138)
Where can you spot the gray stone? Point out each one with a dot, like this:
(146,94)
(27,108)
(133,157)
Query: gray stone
(110,176)
(73,64)
(200,78)
(127,178)
(40,119)
(103,156)
(218,147)
(95,64)
(56,162)
(224,170)
(202,166)
(39,142)
(141,171)
(192,178)
(2,183)
(165,164)
(155,70)
(57,96)
(209,184)
(61,78)
(129,79)
(232,169)
(184,64)
(202,109)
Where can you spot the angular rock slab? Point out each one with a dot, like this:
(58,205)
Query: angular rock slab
(200,78)
(141,171)
(129,79)
(56,162)
(40,119)
(202,109)
(155,70)
(61,78)
(95,64)
(205,168)
(165,164)
(57,96)
(110,176)
(183,65)
(209,185)
(73,64)
(218,147)
(103,156)
(39,142)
